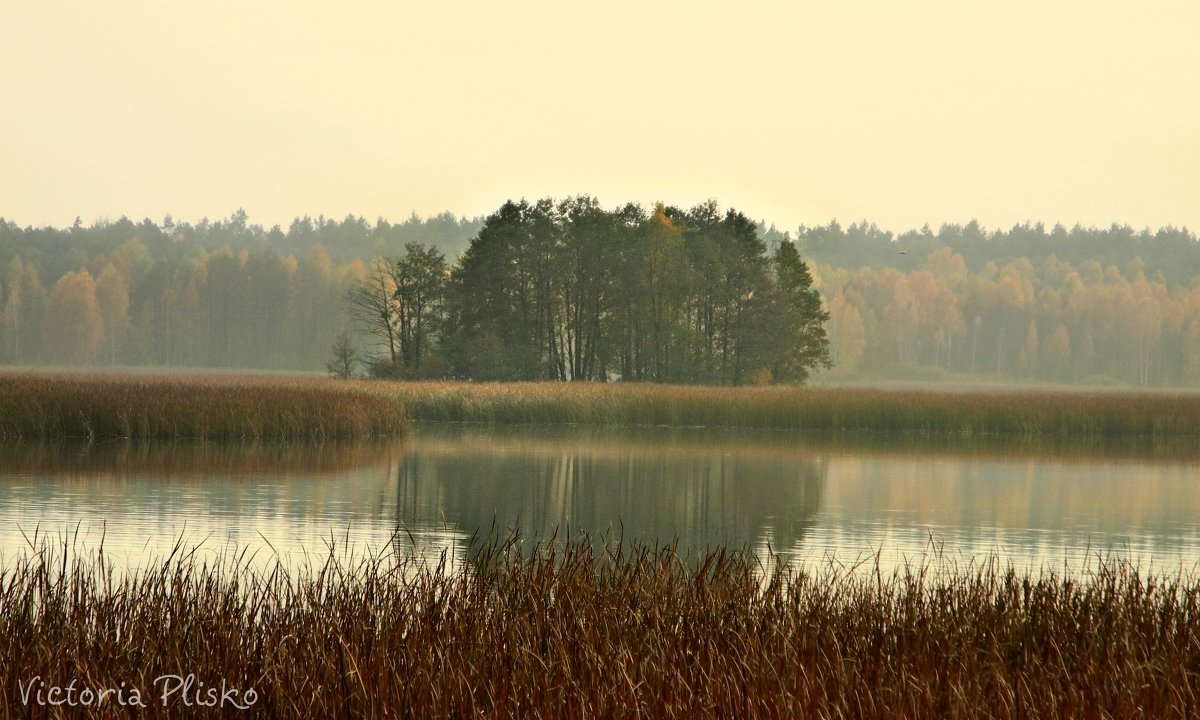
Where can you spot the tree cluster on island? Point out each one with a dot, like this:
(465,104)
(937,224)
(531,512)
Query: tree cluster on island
(570,291)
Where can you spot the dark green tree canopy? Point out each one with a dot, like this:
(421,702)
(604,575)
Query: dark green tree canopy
(570,291)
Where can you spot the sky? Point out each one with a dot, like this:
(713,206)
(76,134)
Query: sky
(795,112)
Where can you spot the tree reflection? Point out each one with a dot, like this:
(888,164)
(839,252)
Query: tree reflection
(653,487)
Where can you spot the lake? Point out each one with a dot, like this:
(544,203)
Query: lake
(807,501)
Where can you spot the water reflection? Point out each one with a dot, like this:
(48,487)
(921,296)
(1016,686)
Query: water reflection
(435,490)
(649,485)
(140,499)
(1028,510)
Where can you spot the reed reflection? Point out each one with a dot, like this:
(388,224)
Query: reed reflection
(185,458)
(432,492)
(141,498)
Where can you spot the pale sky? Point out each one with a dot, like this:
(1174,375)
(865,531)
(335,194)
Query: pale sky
(899,112)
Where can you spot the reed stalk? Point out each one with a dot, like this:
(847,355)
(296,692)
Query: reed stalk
(630,631)
(194,407)
(1040,415)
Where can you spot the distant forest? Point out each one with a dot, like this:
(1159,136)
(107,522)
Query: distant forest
(211,294)
(1095,307)
(1077,305)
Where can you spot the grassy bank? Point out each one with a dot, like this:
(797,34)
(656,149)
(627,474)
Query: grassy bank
(638,633)
(1031,414)
(195,407)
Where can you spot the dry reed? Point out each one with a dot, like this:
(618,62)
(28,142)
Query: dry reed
(628,632)
(197,407)
(1027,414)
(296,407)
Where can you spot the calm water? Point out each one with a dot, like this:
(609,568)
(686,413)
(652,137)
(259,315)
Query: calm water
(436,489)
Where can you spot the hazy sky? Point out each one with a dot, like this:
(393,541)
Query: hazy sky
(795,112)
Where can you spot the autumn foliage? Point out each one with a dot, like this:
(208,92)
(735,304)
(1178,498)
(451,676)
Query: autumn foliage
(1041,319)
(1080,305)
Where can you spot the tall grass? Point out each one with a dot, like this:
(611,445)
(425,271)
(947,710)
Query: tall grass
(198,407)
(629,632)
(293,407)
(1033,414)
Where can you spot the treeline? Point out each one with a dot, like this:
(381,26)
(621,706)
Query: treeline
(221,309)
(1053,321)
(220,294)
(1169,254)
(568,290)
(571,290)
(55,252)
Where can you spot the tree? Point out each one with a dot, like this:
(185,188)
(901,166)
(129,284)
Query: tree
(24,313)
(849,338)
(570,292)
(10,340)
(729,280)
(502,321)
(1027,358)
(76,327)
(267,299)
(112,295)
(222,306)
(345,357)
(901,321)
(372,305)
(317,311)
(420,279)
(625,324)
(1191,353)
(181,334)
(800,341)
(1057,354)
(662,295)
(586,287)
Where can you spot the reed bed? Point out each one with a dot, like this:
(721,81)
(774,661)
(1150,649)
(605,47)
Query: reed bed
(222,407)
(194,407)
(631,631)
(1028,414)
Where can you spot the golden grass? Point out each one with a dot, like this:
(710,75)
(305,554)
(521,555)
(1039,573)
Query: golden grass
(42,405)
(1029,414)
(629,632)
(196,407)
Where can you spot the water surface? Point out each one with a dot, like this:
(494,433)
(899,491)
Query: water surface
(804,500)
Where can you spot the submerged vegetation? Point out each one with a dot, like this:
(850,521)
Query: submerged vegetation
(632,631)
(195,407)
(1030,415)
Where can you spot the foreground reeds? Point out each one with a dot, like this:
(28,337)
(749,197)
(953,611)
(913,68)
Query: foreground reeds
(196,407)
(1029,414)
(628,632)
